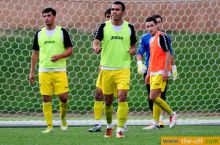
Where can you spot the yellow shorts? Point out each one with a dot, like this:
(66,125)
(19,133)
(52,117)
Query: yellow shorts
(98,82)
(99,85)
(53,83)
(156,82)
(113,80)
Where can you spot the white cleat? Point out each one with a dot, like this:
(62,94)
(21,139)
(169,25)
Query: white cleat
(173,120)
(63,125)
(64,128)
(48,130)
(151,127)
(119,133)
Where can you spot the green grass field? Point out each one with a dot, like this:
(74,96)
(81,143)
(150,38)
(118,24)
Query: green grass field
(80,136)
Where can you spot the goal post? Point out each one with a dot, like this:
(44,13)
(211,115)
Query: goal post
(193,26)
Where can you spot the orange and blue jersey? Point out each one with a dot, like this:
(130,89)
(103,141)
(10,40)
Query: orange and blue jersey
(158,48)
(144,47)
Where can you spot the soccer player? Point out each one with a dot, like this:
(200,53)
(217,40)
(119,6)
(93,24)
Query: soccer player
(99,103)
(159,71)
(159,20)
(144,48)
(118,41)
(52,45)
(108,14)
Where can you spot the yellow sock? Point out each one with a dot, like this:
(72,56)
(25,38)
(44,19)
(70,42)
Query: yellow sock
(108,113)
(122,113)
(63,110)
(160,102)
(156,112)
(98,110)
(47,109)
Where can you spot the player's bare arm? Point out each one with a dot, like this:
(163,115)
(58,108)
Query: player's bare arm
(133,49)
(96,46)
(34,60)
(168,59)
(67,53)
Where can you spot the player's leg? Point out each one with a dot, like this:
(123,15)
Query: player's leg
(46,91)
(98,110)
(47,109)
(122,80)
(108,114)
(158,86)
(150,103)
(122,112)
(163,96)
(61,89)
(156,108)
(98,107)
(63,110)
(108,90)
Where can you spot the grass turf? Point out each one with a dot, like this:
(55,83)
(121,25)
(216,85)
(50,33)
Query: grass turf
(80,135)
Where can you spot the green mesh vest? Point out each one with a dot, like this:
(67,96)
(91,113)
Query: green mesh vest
(49,46)
(116,46)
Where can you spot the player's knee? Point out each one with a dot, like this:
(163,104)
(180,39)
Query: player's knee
(99,95)
(152,97)
(154,94)
(108,100)
(122,97)
(46,98)
(63,97)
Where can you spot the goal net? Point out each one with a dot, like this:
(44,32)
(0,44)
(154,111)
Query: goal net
(194,27)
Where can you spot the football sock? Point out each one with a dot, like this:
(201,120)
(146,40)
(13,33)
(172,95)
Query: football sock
(160,102)
(108,114)
(63,110)
(47,109)
(122,113)
(98,109)
(156,112)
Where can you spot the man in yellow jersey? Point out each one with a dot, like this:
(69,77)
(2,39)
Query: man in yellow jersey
(52,45)
(117,39)
(99,104)
(158,72)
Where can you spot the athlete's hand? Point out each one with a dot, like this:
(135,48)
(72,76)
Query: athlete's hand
(141,68)
(97,50)
(147,79)
(174,72)
(31,78)
(132,51)
(55,58)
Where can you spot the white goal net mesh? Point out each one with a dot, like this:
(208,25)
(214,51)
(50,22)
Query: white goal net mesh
(194,27)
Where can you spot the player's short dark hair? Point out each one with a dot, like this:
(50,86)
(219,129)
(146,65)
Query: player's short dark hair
(158,16)
(149,19)
(47,10)
(120,3)
(108,12)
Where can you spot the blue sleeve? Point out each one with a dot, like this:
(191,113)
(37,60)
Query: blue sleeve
(170,43)
(141,47)
(144,47)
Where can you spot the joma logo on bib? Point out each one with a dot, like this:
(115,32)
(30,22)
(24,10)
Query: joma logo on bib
(45,42)
(117,37)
